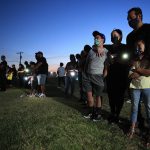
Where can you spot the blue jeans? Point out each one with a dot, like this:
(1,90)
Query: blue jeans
(135,97)
(69,83)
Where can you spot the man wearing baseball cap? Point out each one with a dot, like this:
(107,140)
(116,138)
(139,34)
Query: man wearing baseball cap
(42,71)
(93,81)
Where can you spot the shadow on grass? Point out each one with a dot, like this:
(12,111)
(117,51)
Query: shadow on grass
(73,101)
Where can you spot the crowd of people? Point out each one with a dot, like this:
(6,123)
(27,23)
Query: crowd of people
(30,75)
(116,68)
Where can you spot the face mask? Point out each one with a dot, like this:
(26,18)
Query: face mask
(37,58)
(97,42)
(138,52)
(133,23)
(115,39)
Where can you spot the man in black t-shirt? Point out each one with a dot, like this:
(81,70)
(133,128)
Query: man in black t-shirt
(3,67)
(42,71)
(140,31)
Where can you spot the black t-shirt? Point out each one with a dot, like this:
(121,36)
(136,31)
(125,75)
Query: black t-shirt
(14,72)
(118,67)
(142,33)
(43,69)
(3,67)
(21,71)
(71,66)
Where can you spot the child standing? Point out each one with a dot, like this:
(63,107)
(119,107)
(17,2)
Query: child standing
(140,84)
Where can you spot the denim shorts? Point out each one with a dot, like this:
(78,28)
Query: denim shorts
(41,78)
(93,83)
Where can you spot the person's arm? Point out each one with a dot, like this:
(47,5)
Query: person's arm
(21,71)
(42,62)
(142,71)
(87,62)
(106,65)
(66,68)
(38,65)
(57,71)
(134,75)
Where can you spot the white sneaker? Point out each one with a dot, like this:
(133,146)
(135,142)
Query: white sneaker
(128,101)
(88,116)
(42,95)
(31,95)
(21,96)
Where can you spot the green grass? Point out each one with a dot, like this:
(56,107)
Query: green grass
(56,123)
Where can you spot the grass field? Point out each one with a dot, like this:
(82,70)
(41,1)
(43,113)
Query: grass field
(56,123)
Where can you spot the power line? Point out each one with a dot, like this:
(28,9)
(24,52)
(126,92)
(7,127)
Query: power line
(12,61)
(53,57)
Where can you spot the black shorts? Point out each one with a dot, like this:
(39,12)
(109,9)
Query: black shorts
(93,83)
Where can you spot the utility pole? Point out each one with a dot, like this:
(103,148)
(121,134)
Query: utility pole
(20,56)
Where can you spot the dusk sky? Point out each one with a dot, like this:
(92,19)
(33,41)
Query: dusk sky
(60,27)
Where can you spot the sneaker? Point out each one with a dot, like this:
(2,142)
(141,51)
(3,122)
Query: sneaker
(42,95)
(97,118)
(31,95)
(21,96)
(128,101)
(37,95)
(88,116)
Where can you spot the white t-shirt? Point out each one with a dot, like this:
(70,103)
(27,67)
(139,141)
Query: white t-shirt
(61,71)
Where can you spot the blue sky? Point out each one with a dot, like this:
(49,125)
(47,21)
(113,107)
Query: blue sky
(60,27)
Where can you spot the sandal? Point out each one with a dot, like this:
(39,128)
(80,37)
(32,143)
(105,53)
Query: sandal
(131,133)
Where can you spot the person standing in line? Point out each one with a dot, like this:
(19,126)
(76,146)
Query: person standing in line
(140,31)
(140,85)
(21,75)
(42,71)
(93,81)
(3,68)
(61,75)
(33,80)
(79,68)
(70,75)
(9,76)
(117,75)
(84,55)
(14,79)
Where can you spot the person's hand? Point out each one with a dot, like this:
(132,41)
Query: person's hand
(99,51)
(134,75)
(138,70)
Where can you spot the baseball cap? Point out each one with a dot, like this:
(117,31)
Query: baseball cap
(95,33)
(39,52)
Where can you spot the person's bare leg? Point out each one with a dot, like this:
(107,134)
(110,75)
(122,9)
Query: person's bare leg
(90,99)
(43,89)
(90,108)
(132,130)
